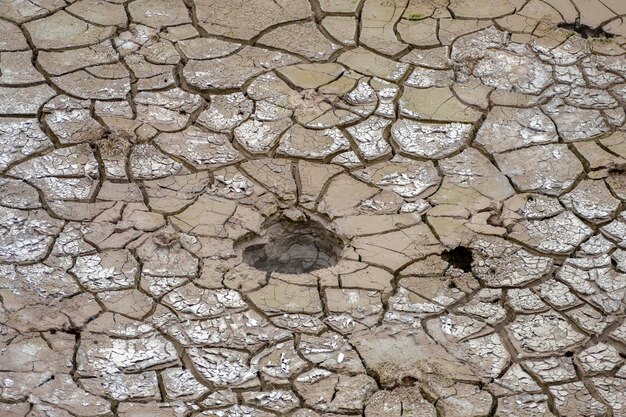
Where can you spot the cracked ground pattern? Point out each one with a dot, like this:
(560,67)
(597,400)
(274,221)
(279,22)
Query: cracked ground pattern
(263,208)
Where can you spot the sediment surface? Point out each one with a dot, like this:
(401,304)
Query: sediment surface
(263,208)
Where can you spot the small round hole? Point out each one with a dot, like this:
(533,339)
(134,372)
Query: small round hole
(459,257)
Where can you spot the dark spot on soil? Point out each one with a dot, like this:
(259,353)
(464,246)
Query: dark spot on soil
(408,381)
(459,257)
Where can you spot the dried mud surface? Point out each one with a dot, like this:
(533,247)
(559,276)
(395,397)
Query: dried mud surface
(311,208)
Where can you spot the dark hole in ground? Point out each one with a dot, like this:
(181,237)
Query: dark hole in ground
(294,247)
(408,381)
(586,31)
(459,257)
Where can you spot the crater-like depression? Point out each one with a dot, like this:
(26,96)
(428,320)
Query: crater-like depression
(293,246)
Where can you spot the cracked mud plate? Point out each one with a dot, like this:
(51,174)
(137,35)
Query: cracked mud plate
(324,208)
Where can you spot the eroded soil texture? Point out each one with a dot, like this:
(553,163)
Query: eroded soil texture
(324,208)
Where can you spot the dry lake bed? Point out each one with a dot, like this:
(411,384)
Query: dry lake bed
(324,208)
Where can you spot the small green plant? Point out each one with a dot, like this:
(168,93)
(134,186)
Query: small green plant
(416,16)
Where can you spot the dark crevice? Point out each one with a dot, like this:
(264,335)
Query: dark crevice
(586,31)
(459,257)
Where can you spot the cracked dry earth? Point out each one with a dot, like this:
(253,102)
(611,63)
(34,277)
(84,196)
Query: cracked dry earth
(267,208)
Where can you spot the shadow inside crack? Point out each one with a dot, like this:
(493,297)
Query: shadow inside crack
(459,257)
(586,31)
